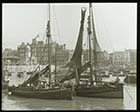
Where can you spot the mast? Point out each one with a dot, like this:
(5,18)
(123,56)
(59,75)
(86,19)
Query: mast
(89,34)
(55,62)
(49,52)
(90,59)
(94,40)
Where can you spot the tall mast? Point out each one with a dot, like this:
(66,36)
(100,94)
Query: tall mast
(94,41)
(49,53)
(90,57)
(55,62)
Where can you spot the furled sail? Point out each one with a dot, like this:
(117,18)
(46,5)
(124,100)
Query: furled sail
(95,41)
(75,61)
(71,75)
(36,75)
(77,55)
(97,51)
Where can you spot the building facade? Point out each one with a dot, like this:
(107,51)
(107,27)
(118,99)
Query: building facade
(39,53)
(60,55)
(119,58)
(124,58)
(131,57)
(102,57)
(10,57)
(23,54)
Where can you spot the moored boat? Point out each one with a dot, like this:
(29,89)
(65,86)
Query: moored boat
(4,80)
(130,77)
(4,85)
(52,93)
(35,87)
(101,91)
(31,88)
(90,86)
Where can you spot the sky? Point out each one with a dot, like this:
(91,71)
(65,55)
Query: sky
(115,23)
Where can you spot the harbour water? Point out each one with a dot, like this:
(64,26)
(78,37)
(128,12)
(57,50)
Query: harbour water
(78,103)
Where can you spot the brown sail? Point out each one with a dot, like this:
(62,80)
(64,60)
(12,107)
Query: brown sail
(35,76)
(76,58)
(95,41)
(72,74)
(75,61)
(86,89)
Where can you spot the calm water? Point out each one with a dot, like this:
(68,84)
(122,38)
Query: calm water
(78,103)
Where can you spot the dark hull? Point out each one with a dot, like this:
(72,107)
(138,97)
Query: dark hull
(130,79)
(122,75)
(102,91)
(105,76)
(4,85)
(42,93)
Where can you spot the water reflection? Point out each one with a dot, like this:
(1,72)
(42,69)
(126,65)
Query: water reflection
(12,102)
(78,103)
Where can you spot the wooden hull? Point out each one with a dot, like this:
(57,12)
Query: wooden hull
(130,79)
(105,76)
(120,75)
(42,93)
(4,85)
(5,91)
(102,91)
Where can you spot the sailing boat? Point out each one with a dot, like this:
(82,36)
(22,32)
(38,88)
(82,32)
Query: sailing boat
(131,77)
(90,87)
(33,88)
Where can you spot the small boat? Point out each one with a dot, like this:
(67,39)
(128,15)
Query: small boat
(119,73)
(4,85)
(101,91)
(105,74)
(130,77)
(9,74)
(4,80)
(20,74)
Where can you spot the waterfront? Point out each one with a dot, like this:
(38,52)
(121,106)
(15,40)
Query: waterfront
(78,103)
(46,48)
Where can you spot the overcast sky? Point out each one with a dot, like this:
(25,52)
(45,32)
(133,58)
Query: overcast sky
(115,23)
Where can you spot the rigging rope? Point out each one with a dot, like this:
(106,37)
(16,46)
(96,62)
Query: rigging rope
(57,26)
(44,47)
